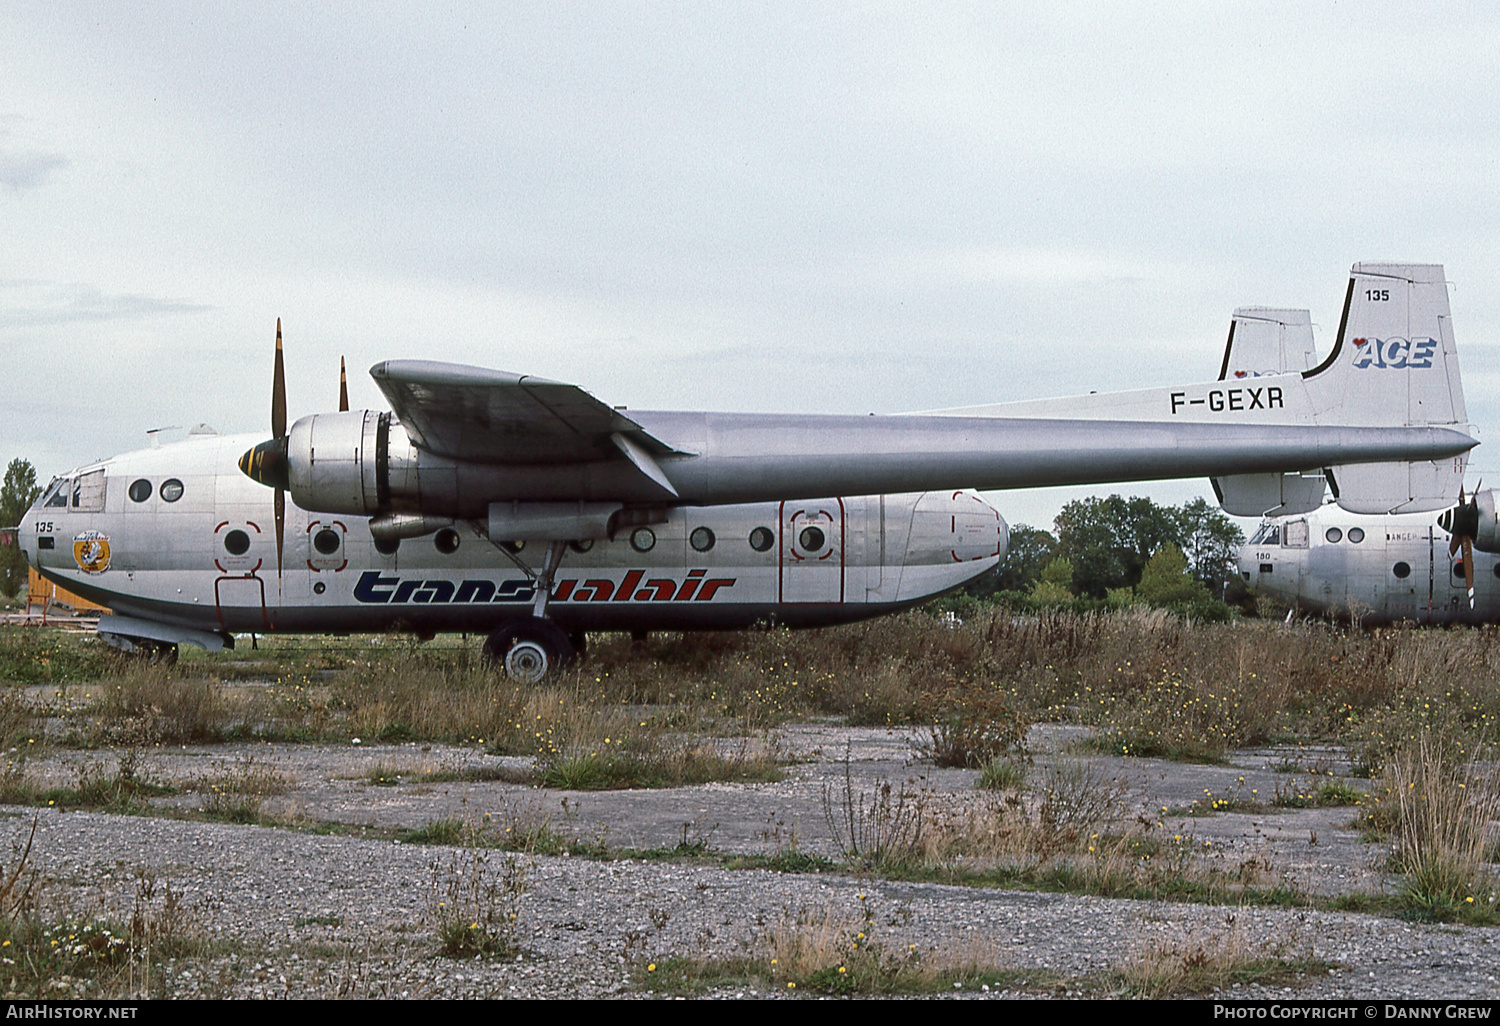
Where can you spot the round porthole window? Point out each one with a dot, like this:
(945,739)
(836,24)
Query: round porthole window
(1356,535)
(171,490)
(1333,534)
(581,545)
(387,546)
(761,539)
(1402,570)
(319,588)
(326,541)
(702,539)
(237,542)
(140,490)
(812,539)
(446,541)
(643,539)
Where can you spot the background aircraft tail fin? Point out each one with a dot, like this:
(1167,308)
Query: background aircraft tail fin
(1394,362)
(1265,340)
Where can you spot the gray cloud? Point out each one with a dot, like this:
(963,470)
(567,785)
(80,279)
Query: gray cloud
(21,171)
(25,304)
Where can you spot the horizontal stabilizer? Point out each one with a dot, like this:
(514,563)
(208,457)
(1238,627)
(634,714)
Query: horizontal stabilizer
(1269,495)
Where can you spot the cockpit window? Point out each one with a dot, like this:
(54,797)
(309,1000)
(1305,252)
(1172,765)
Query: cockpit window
(1269,534)
(57,493)
(88,492)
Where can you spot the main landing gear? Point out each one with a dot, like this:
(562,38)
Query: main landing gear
(531,647)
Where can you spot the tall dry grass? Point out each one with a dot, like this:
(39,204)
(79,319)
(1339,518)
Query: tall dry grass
(1443,805)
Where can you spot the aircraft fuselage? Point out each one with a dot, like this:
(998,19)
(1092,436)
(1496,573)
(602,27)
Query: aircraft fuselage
(1376,569)
(178,536)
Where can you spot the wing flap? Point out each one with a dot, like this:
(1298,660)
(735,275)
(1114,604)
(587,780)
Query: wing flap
(487,416)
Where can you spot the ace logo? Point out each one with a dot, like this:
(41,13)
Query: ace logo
(1394,353)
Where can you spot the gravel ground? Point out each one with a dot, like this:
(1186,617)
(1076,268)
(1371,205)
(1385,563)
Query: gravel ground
(321,916)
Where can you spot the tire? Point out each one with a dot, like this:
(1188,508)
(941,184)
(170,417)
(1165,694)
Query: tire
(528,650)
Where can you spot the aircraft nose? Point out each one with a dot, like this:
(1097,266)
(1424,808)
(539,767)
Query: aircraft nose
(267,463)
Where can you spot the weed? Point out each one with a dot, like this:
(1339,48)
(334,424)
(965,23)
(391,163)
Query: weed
(1002,775)
(820,951)
(1316,794)
(31,655)
(235,795)
(975,728)
(880,831)
(472,910)
(1442,814)
(1192,965)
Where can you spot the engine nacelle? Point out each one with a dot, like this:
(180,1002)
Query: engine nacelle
(363,463)
(1487,531)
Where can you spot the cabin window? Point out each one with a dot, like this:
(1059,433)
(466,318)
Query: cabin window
(761,539)
(387,546)
(1334,535)
(1497,569)
(1401,570)
(1356,535)
(88,492)
(1458,571)
(643,539)
(1295,536)
(812,538)
(446,541)
(237,542)
(171,490)
(140,490)
(581,544)
(326,541)
(702,539)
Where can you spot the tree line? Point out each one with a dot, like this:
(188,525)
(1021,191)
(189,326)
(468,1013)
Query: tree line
(17,494)
(1105,546)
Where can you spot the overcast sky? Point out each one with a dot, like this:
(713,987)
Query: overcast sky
(801,207)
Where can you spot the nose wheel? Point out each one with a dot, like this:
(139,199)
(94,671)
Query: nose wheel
(529,649)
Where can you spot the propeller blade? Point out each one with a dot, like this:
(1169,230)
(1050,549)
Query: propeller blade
(278,391)
(280,528)
(1469,567)
(343,387)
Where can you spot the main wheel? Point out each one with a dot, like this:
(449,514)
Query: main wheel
(529,649)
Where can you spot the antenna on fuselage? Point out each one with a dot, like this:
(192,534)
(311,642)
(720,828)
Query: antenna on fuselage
(151,433)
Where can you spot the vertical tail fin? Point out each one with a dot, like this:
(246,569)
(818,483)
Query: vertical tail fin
(1263,341)
(1267,340)
(1394,362)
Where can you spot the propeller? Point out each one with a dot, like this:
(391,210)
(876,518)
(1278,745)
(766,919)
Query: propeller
(1462,523)
(343,387)
(267,462)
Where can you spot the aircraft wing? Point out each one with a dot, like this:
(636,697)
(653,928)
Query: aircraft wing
(488,416)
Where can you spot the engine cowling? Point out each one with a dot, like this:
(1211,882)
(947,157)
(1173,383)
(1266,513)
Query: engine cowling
(363,463)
